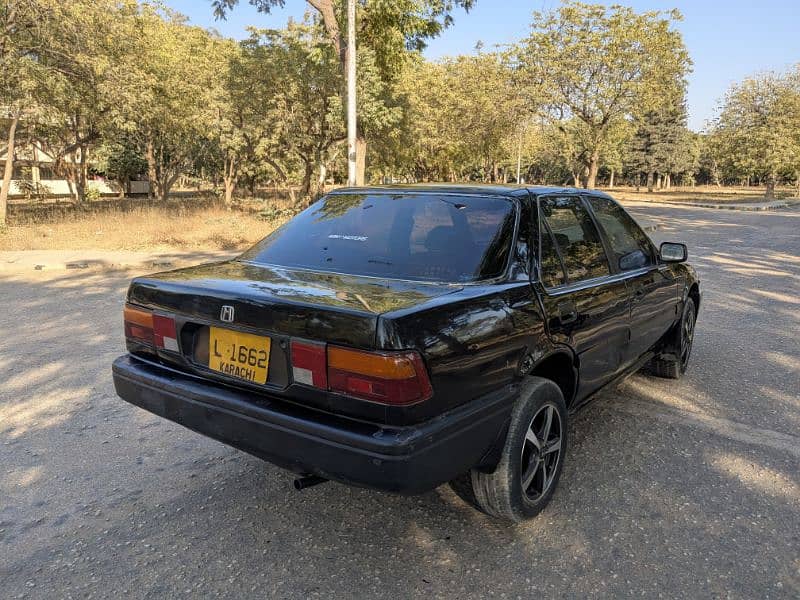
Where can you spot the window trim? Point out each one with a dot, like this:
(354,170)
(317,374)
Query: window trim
(612,268)
(564,277)
(568,285)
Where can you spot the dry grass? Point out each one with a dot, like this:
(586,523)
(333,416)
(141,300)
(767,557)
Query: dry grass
(143,229)
(181,227)
(706,193)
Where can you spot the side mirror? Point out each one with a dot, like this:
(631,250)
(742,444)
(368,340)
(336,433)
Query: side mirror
(673,252)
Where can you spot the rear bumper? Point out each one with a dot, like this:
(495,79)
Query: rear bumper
(409,460)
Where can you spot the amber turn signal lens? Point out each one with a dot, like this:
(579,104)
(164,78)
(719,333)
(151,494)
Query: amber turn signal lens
(392,378)
(383,366)
(137,316)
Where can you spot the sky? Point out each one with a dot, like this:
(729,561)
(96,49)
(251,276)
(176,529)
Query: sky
(728,40)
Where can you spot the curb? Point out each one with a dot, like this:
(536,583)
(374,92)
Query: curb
(152,264)
(739,207)
(93,266)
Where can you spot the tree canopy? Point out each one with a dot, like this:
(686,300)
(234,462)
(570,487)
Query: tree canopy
(595,94)
(602,65)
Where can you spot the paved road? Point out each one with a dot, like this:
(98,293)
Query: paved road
(687,489)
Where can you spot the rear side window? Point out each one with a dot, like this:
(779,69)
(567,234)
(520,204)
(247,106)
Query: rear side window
(576,238)
(629,243)
(423,236)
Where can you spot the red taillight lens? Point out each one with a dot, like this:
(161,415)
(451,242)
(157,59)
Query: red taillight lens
(308,364)
(396,378)
(164,333)
(154,330)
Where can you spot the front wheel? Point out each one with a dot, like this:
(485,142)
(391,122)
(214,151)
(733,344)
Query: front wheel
(532,457)
(673,367)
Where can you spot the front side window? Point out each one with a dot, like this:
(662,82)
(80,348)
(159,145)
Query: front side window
(629,243)
(576,237)
(417,236)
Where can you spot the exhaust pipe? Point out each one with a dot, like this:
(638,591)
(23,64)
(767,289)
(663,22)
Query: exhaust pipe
(308,481)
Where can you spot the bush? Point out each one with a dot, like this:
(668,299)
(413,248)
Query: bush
(92,194)
(273,213)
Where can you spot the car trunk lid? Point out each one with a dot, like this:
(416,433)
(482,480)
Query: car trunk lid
(329,307)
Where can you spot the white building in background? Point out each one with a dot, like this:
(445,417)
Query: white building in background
(34,175)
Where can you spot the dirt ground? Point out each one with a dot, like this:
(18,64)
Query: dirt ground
(673,489)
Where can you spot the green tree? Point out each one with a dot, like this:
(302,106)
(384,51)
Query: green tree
(464,118)
(758,128)
(121,161)
(293,75)
(386,30)
(601,65)
(78,64)
(171,83)
(660,139)
(28,29)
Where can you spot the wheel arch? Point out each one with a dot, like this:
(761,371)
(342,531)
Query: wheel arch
(694,294)
(560,367)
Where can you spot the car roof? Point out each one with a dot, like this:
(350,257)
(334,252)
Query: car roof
(467,188)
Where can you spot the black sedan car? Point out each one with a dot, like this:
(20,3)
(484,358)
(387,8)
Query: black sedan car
(402,337)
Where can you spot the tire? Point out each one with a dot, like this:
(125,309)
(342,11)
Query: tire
(462,486)
(674,366)
(532,450)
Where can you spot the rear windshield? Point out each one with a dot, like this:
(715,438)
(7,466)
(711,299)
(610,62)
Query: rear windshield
(435,237)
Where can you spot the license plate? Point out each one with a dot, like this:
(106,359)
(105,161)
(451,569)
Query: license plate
(237,354)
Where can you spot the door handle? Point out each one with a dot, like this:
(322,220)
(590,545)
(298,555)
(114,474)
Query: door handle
(567,313)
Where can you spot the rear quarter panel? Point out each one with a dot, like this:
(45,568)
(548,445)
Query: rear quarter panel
(472,341)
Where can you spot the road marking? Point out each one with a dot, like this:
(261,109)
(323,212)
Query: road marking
(726,428)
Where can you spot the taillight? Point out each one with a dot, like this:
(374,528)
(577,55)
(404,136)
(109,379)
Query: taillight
(164,333)
(308,364)
(147,328)
(138,324)
(395,378)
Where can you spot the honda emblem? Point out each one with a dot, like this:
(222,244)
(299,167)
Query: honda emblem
(226,314)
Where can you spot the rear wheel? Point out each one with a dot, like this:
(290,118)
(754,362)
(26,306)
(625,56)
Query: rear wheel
(531,460)
(674,366)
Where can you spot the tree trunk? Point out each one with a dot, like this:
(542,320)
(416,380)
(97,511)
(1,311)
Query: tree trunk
(230,186)
(229,179)
(8,172)
(592,168)
(650,180)
(83,174)
(576,180)
(165,187)
(667,181)
(308,173)
(323,175)
(611,180)
(152,173)
(770,194)
(361,160)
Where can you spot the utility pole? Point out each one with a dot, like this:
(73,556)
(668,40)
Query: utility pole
(351,92)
